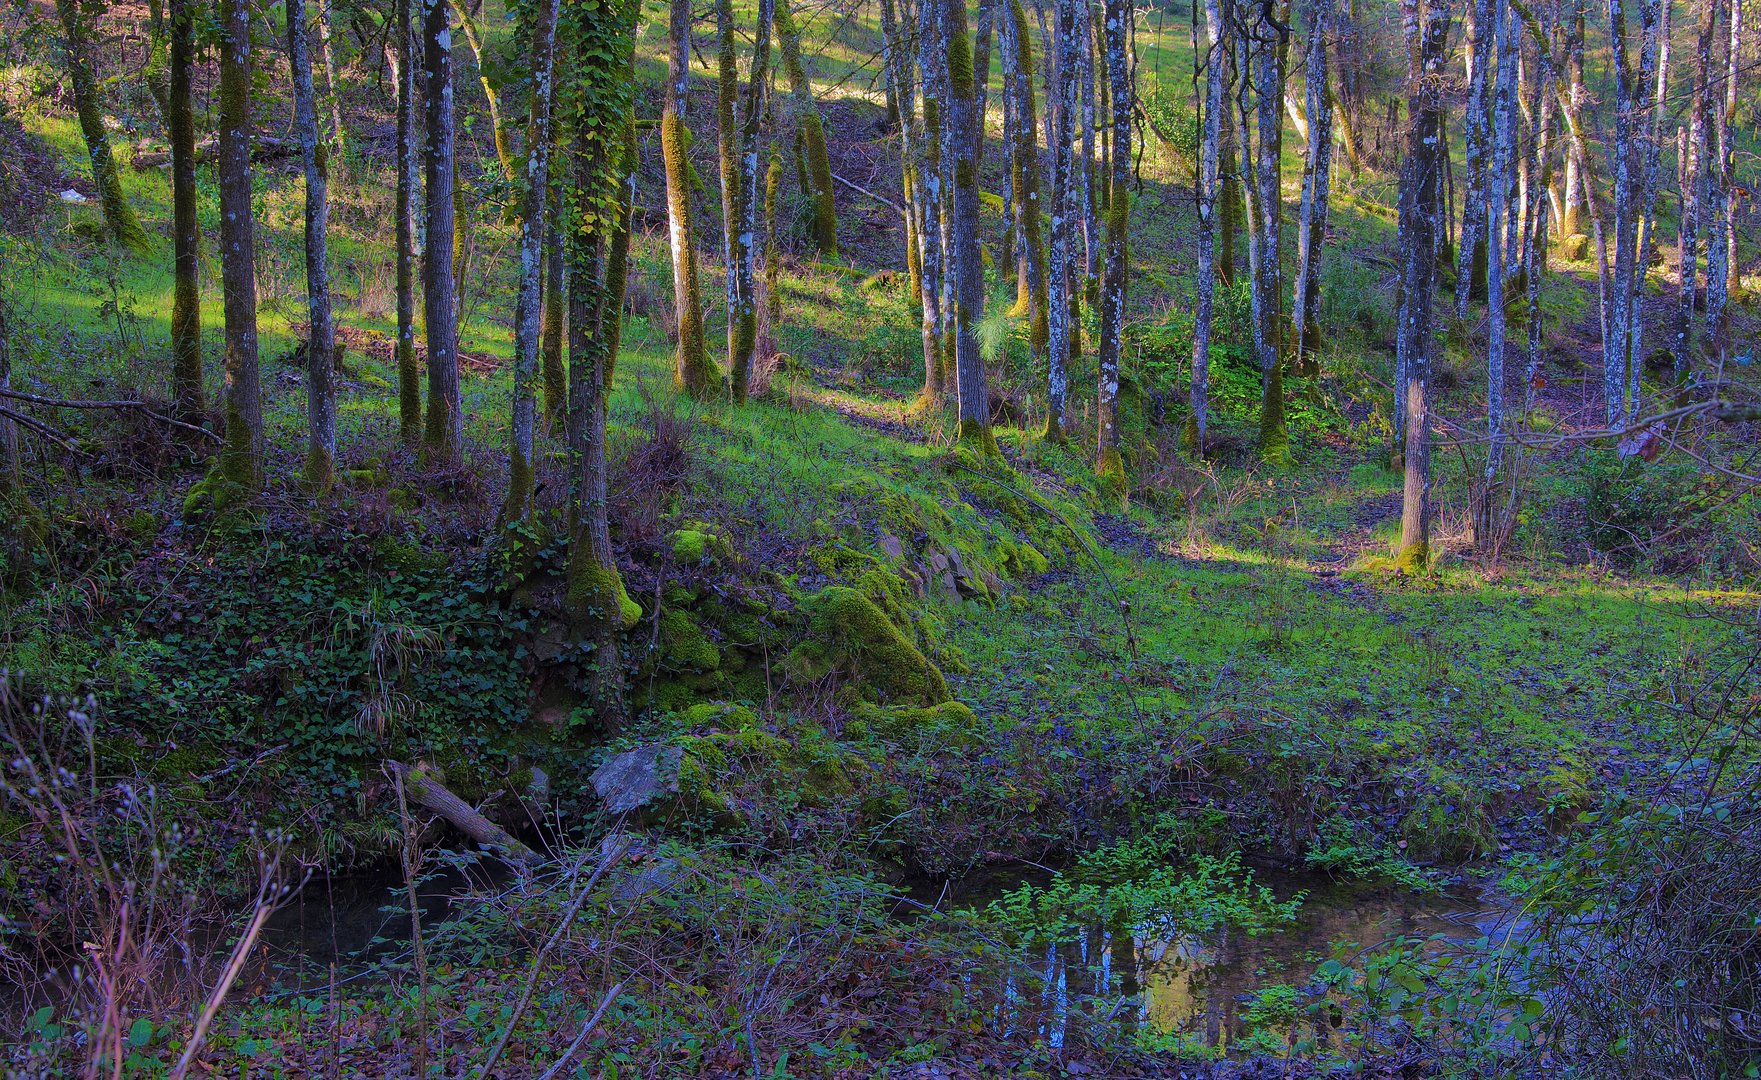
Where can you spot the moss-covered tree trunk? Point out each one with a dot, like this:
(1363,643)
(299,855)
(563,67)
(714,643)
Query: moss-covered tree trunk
(119,217)
(903,93)
(1229,213)
(522,449)
(1108,464)
(409,387)
(742,297)
(321,330)
(556,387)
(812,133)
(773,264)
(970,389)
(1026,169)
(932,231)
(1086,187)
(11,467)
(441,437)
(693,372)
(241,456)
(504,154)
(186,232)
(1426,27)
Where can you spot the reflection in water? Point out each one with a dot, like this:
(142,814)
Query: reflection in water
(1198,987)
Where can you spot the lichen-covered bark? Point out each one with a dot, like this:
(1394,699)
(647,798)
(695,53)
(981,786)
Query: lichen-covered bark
(186,231)
(1470,274)
(119,217)
(1108,464)
(1504,123)
(968,272)
(241,457)
(409,388)
(1425,24)
(1064,221)
(1693,188)
(1721,198)
(441,436)
(693,372)
(742,293)
(812,133)
(528,304)
(1268,42)
(321,331)
(1214,59)
(1617,343)
(1317,176)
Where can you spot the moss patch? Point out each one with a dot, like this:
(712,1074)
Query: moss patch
(848,634)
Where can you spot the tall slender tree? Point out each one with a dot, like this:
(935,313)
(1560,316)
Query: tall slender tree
(968,271)
(1065,219)
(1504,121)
(1108,464)
(321,330)
(1317,177)
(441,438)
(1214,108)
(409,386)
(498,129)
(1269,39)
(932,228)
(528,314)
(186,231)
(693,372)
(818,164)
(1471,253)
(743,295)
(1722,195)
(1026,169)
(1693,159)
(1425,26)
(119,217)
(1617,344)
(241,455)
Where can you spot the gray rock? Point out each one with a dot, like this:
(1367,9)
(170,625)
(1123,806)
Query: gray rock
(637,778)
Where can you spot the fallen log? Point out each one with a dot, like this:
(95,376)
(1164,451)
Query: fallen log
(436,799)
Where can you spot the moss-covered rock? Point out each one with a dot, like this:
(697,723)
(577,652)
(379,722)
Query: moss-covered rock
(1451,824)
(848,634)
(696,546)
(684,645)
(947,724)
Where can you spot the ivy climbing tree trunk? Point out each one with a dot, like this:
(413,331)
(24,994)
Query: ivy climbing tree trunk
(1214,58)
(1425,26)
(409,388)
(528,305)
(1109,466)
(969,374)
(241,455)
(1317,177)
(812,132)
(441,438)
(321,331)
(743,297)
(119,217)
(693,372)
(186,231)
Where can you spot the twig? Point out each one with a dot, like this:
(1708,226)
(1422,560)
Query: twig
(37,427)
(586,1030)
(78,403)
(859,189)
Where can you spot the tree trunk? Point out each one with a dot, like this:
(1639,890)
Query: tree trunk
(1471,254)
(812,130)
(727,88)
(338,131)
(1628,172)
(321,332)
(1425,24)
(1571,225)
(896,57)
(1109,466)
(504,154)
(1657,44)
(1064,223)
(241,458)
(742,297)
(119,216)
(528,316)
(1317,174)
(1085,194)
(1214,109)
(693,372)
(441,439)
(1269,42)
(1504,121)
(186,231)
(1693,188)
(968,271)
(932,229)
(556,388)
(1722,196)
(1535,222)
(1026,156)
(409,389)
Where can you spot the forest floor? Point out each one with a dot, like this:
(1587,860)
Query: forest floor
(1223,666)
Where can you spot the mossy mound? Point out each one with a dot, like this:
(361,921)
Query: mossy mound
(1452,824)
(724,772)
(697,546)
(848,634)
(947,724)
